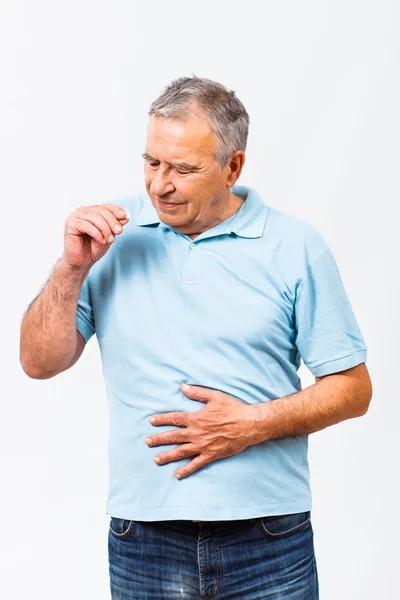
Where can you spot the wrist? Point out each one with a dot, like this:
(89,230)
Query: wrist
(68,279)
(72,269)
(258,430)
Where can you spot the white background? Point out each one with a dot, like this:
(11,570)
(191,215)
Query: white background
(320,81)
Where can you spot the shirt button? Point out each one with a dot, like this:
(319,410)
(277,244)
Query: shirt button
(193,246)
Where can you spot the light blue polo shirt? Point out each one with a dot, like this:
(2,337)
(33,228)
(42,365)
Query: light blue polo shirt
(234,310)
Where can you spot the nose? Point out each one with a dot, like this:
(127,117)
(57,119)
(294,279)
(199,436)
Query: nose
(161,183)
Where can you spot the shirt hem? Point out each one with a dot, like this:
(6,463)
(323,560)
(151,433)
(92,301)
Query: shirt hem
(209,513)
(83,329)
(340,364)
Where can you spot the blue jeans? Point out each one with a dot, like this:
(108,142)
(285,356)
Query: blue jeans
(253,559)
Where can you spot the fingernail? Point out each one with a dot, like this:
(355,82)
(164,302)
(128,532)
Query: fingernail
(185,386)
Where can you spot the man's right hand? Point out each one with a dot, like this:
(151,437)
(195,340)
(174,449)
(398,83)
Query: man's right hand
(90,231)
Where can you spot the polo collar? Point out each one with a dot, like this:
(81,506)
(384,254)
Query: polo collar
(248,221)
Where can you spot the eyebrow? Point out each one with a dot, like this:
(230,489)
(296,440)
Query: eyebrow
(182,165)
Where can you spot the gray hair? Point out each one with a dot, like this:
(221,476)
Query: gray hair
(201,97)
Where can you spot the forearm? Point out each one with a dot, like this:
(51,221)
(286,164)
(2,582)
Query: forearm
(48,331)
(332,399)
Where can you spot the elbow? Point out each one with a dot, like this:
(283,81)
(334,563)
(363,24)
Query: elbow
(34,371)
(365,405)
(30,366)
(359,389)
(365,397)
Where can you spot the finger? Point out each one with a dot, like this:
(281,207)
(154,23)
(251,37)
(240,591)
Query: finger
(194,465)
(184,451)
(91,230)
(113,222)
(177,436)
(118,212)
(196,392)
(180,419)
(91,214)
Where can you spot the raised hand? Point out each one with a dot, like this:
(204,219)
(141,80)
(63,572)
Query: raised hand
(90,231)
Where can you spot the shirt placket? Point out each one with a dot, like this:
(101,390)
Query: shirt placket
(191,265)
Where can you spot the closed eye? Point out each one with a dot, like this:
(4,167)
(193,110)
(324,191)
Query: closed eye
(181,171)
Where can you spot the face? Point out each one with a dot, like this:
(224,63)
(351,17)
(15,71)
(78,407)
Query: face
(185,183)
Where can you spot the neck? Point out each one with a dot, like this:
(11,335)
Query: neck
(230,207)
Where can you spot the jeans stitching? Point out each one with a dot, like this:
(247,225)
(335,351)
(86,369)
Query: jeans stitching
(124,534)
(284,534)
(219,568)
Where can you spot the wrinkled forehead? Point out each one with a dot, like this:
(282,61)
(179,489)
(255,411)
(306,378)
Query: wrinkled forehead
(178,138)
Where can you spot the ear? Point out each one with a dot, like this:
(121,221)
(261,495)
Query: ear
(235,167)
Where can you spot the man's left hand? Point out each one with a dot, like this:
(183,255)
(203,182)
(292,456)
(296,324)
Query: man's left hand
(224,427)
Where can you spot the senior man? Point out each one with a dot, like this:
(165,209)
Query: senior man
(203,308)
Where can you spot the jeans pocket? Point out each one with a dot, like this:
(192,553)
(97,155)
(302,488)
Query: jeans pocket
(121,528)
(281,526)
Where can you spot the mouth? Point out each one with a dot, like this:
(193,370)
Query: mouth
(168,204)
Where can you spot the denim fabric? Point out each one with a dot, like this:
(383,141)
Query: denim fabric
(252,559)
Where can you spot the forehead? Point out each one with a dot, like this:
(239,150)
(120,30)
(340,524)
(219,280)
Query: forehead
(169,138)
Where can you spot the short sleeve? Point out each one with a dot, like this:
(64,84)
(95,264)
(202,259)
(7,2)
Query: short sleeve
(84,312)
(328,337)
